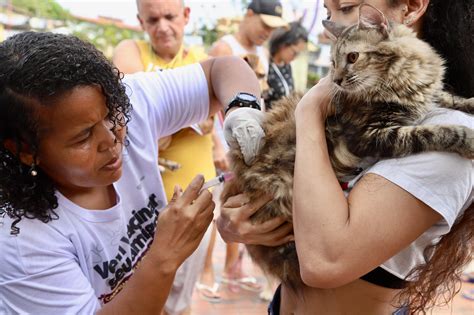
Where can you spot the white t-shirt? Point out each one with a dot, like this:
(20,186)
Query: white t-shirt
(239,50)
(443,181)
(76,263)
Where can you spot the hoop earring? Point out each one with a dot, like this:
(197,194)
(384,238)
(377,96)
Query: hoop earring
(408,21)
(33,171)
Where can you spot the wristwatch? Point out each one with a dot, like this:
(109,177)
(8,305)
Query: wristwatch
(244,100)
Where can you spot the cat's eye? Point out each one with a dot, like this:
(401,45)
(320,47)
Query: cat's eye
(352,57)
(333,63)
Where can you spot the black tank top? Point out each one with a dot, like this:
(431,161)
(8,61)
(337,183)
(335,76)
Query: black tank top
(383,278)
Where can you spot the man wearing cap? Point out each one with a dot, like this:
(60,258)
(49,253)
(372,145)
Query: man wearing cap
(261,18)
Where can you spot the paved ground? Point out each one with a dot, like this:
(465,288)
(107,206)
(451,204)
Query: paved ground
(249,303)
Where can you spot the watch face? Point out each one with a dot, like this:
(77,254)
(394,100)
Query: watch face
(247,97)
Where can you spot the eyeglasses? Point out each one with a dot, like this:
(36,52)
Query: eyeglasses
(295,50)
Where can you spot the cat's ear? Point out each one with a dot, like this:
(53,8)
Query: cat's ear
(334,30)
(372,18)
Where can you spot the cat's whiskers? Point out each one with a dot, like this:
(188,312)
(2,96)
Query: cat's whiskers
(352,79)
(335,99)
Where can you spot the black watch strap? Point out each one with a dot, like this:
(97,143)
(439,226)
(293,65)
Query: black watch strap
(244,100)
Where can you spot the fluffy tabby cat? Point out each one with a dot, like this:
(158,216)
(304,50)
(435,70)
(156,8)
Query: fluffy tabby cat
(387,80)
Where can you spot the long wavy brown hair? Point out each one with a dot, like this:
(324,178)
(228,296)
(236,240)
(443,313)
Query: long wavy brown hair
(439,280)
(448,27)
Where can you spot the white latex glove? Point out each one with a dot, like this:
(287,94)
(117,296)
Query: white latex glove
(243,127)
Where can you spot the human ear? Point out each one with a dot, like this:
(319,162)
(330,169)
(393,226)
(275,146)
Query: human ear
(415,10)
(250,13)
(25,155)
(333,29)
(372,18)
(187,12)
(141,22)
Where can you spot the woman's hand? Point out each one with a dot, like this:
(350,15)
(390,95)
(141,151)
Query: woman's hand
(318,99)
(183,223)
(234,223)
(243,128)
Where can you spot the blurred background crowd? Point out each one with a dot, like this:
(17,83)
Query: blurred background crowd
(105,23)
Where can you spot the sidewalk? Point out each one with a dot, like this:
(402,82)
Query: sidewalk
(249,303)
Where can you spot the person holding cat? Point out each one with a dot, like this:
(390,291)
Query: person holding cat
(400,238)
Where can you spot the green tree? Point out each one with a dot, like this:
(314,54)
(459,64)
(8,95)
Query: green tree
(42,8)
(209,35)
(104,37)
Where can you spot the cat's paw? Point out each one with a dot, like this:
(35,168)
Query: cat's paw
(467,149)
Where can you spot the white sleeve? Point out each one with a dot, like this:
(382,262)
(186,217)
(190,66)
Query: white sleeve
(443,181)
(168,100)
(60,290)
(40,275)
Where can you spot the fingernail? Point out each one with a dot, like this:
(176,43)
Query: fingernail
(177,190)
(198,180)
(176,193)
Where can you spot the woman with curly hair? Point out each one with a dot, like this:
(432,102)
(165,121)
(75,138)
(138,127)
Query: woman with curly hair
(398,242)
(84,225)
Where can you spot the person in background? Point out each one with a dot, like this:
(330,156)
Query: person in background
(195,148)
(285,45)
(260,20)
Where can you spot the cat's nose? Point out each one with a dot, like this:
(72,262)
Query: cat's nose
(338,81)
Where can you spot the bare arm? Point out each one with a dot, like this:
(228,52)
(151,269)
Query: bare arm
(338,239)
(220,49)
(226,76)
(127,57)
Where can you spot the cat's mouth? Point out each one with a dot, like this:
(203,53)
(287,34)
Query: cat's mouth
(350,84)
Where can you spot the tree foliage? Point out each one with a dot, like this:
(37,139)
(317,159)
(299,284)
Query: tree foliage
(104,37)
(42,8)
(209,35)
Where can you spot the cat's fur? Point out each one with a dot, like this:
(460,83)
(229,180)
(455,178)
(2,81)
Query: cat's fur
(395,82)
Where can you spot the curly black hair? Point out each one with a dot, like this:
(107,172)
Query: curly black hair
(36,69)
